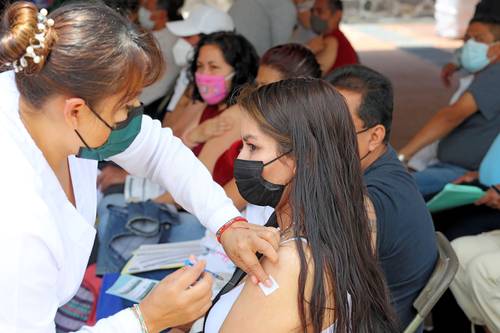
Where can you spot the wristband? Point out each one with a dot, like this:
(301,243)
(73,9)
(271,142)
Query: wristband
(137,311)
(229,224)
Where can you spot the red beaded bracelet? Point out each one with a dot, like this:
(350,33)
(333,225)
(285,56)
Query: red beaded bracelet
(229,224)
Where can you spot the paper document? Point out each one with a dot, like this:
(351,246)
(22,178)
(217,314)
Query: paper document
(173,255)
(133,288)
(454,196)
(162,256)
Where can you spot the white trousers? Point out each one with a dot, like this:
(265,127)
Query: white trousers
(477,284)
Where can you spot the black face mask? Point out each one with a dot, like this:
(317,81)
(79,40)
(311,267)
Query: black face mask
(253,187)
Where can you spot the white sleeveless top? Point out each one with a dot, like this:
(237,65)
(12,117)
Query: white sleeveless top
(221,309)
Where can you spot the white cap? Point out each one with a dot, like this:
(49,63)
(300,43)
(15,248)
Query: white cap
(202,20)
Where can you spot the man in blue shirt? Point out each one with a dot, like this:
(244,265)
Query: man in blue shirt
(404,233)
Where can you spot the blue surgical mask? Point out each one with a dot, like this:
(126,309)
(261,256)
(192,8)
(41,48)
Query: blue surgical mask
(144,16)
(474,56)
(121,137)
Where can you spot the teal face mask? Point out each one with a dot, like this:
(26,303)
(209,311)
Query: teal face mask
(121,137)
(474,56)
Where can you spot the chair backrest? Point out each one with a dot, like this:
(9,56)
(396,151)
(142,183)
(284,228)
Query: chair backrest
(441,278)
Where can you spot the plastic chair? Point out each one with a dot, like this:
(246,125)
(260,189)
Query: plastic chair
(440,280)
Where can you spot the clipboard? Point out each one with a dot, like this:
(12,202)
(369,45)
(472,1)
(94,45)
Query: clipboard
(453,196)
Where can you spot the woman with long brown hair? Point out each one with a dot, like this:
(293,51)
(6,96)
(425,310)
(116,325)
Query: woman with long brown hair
(300,155)
(69,87)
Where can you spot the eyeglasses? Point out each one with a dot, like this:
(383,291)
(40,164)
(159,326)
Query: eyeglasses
(363,130)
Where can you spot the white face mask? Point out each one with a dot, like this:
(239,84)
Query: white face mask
(145,18)
(183,51)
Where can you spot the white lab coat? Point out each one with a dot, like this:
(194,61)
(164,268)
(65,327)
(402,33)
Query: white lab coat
(45,242)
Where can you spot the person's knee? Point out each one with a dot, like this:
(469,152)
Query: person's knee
(463,249)
(484,273)
(189,228)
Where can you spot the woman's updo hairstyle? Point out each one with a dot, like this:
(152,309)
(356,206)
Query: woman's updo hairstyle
(91,52)
(18,29)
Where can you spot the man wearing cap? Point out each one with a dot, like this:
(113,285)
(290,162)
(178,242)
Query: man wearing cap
(467,128)
(203,20)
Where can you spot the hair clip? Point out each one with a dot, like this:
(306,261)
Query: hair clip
(42,26)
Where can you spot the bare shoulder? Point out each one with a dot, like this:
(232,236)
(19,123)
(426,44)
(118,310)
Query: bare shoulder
(289,257)
(331,43)
(265,309)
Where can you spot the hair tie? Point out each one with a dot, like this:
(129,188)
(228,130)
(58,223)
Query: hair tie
(43,26)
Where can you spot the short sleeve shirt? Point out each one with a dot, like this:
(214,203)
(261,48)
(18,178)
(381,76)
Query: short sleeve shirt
(467,144)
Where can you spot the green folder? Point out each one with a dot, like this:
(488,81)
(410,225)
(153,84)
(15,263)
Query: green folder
(454,196)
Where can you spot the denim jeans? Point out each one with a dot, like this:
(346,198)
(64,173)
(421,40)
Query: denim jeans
(188,228)
(434,178)
(123,228)
(115,199)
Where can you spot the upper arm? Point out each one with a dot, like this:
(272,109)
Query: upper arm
(189,119)
(172,116)
(327,57)
(265,309)
(484,90)
(462,109)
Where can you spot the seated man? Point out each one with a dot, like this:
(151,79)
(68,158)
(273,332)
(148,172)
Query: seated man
(468,127)
(331,47)
(455,65)
(405,240)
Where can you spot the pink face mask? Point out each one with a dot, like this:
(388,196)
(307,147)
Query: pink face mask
(212,88)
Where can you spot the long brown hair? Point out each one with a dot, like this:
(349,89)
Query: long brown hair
(90,52)
(310,118)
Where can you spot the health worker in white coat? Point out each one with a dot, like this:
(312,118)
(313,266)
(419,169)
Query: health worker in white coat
(68,97)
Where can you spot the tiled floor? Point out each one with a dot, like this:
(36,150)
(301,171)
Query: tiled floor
(411,55)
